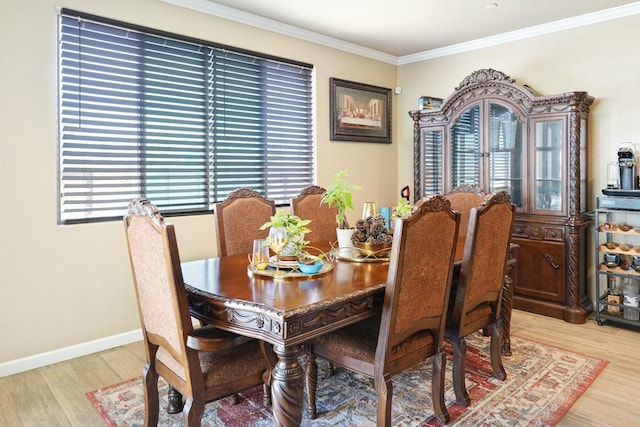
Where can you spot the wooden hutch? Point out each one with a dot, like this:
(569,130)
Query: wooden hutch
(498,135)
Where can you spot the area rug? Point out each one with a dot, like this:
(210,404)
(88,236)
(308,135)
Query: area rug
(542,383)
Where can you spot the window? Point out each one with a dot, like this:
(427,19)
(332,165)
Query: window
(179,121)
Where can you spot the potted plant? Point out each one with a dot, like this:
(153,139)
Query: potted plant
(404,209)
(296,229)
(339,195)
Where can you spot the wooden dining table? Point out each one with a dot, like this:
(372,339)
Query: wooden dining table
(289,311)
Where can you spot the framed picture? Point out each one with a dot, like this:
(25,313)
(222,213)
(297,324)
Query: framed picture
(360,112)
(429,102)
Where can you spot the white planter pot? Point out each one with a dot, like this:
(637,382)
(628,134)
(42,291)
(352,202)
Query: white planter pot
(344,241)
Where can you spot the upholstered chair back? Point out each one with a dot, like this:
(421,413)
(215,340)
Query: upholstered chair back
(162,300)
(483,269)
(477,299)
(238,220)
(199,364)
(463,198)
(420,270)
(411,325)
(307,205)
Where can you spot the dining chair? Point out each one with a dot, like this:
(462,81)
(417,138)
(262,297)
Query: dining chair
(238,220)
(476,302)
(202,364)
(410,327)
(308,205)
(463,198)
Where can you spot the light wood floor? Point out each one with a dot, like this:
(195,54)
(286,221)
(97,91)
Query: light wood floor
(55,395)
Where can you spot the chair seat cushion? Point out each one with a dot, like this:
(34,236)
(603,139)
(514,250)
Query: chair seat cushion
(225,366)
(481,313)
(355,342)
(222,366)
(359,342)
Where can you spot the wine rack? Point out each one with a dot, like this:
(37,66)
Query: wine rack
(617,251)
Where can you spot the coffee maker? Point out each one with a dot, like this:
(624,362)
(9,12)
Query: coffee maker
(628,167)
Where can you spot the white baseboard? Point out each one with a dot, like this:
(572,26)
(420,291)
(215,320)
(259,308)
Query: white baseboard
(38,360)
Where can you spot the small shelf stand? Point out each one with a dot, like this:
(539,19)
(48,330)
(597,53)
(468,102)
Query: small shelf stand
(617,243)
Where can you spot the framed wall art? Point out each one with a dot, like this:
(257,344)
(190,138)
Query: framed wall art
(360,112)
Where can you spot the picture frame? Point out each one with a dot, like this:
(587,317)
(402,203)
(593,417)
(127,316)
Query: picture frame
(429,102)
(360,112)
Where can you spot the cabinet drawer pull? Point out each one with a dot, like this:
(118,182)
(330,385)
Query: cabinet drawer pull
(553,234)
(551,261)
(519,230)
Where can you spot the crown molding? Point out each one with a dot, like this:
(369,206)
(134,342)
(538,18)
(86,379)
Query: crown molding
(236,15)
(535,31)
(229,13)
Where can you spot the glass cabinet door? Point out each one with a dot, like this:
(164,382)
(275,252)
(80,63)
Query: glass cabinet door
(465,149)
(505,158)
(432,162)
(548,169)
(486,150)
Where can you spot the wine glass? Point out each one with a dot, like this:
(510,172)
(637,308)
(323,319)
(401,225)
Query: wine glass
(277,241)
(259,258)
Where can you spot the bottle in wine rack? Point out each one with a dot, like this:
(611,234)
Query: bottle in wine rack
(614,295)
(631,299)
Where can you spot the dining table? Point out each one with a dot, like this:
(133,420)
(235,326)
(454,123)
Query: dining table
(287,311)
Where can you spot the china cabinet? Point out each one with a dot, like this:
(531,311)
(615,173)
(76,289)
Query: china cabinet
(498,135)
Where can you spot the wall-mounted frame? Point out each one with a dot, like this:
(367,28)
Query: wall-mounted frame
(360,112)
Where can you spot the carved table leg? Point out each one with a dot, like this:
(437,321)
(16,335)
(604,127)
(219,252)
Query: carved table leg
(507,306)
(311,380)
(286,387)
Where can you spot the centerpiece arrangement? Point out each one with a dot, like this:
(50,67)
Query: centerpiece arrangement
(372,237)
(286,239)
(295,228)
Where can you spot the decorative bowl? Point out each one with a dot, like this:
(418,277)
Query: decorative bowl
(380,250)
(310,268)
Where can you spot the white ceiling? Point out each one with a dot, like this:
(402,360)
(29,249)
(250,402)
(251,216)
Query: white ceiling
(393,29)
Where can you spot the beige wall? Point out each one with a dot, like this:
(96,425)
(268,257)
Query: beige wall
(65,285)
(601,59)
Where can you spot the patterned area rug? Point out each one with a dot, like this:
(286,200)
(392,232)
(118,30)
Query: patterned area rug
(542,383)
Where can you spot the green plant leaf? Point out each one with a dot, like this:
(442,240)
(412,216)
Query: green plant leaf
(339,195)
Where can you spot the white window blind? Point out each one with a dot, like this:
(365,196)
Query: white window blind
(181,122)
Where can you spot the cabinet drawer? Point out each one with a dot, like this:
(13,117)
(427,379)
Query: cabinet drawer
(538,232)
(556,234)
(520,230)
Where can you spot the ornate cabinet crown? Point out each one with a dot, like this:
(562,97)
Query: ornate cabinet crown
(498,135)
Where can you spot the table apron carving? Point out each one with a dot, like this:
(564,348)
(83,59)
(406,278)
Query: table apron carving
(291,331)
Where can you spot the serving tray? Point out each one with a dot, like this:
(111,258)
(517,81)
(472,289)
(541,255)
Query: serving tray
(289,273)
(356,255)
